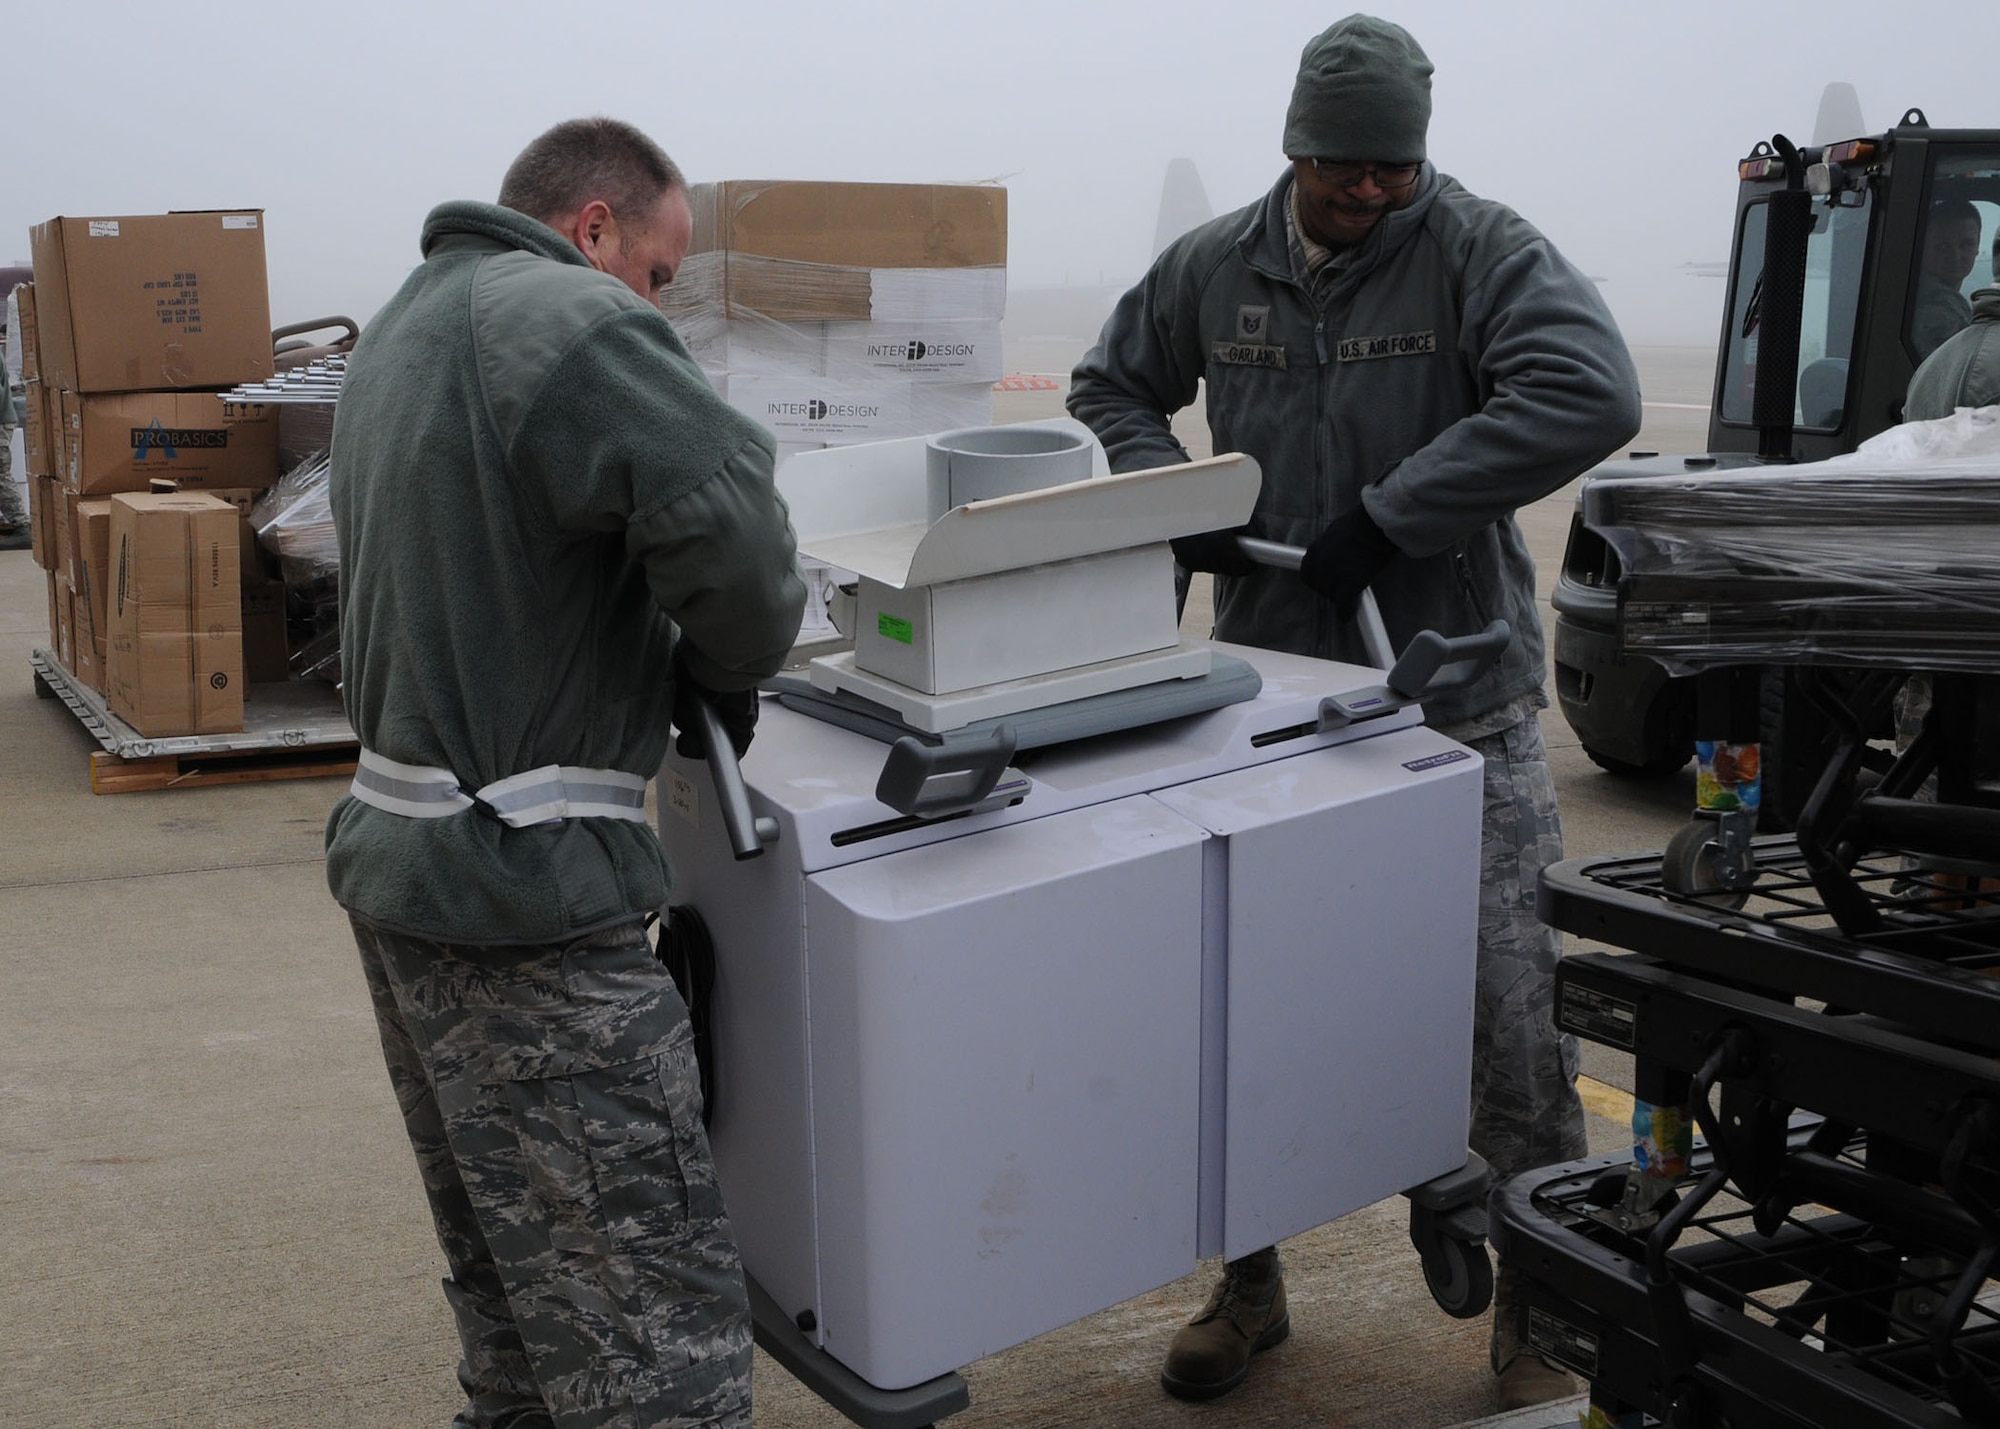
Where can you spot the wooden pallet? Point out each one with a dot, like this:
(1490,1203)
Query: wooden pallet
(291,731)
(112,774)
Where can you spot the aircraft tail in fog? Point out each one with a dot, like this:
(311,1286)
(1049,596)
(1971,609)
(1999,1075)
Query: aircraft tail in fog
(1183,204)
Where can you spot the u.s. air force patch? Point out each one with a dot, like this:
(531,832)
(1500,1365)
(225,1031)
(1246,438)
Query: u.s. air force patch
(1401,344)
(1248,354)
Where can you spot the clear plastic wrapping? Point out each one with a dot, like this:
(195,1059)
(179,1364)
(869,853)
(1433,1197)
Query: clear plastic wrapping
(294,522)
(835,314)
(1889,556)
(840,313)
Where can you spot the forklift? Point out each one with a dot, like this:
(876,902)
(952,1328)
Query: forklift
(1850,258)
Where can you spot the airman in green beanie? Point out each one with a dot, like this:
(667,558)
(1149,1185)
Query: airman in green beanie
(1409,364)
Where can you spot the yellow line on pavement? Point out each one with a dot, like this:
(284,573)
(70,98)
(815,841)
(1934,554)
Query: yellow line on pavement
(1605,1101)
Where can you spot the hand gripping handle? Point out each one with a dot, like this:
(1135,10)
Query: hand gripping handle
(1431,665)
(748,834)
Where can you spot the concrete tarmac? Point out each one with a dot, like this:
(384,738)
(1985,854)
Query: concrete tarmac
(208,1211)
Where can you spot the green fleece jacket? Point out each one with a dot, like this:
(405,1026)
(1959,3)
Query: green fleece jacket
(533,485)
(1964,371)
(1454,370)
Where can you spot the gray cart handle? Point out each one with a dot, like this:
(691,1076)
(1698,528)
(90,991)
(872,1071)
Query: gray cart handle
(749,834)
(1431,665)
(924,781)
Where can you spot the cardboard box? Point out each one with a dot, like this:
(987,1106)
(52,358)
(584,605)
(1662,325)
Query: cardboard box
(64,629)
(66,422)
(87,653)
(62,546)
(803,251)
(746,286)
(826,412)
(31,346)
(266,652)
(937,295)
(854,351)
(55,619)
(35,431)
(45,494)
(853,225)
(90,573)
(176,613)
(244,499)
(124,441)
(157,301)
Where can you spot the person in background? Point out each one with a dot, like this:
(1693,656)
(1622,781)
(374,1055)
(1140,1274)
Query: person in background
(14,530)
(1409,364)
(1964,370)
(552,534)
(1951,247)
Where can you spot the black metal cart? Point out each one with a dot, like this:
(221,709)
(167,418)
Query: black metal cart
(1823,1009)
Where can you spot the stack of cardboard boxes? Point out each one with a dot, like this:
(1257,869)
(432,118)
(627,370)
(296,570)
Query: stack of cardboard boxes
(835,313)
(141,476)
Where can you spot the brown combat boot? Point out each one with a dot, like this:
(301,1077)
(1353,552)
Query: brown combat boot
(1246,1313)
(1521,1377)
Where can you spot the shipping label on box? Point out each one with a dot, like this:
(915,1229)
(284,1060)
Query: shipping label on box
(175,663)
(811,409)
(151,302)
(126,441)
(946,352)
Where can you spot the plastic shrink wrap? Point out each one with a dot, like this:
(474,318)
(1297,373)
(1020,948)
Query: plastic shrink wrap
(1887,557)
(836,313)
(294,522)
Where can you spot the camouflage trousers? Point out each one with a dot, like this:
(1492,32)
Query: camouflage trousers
(551,1097)
(1525,1109)
(13,511)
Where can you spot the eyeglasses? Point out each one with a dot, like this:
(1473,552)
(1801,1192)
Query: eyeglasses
(1387,177)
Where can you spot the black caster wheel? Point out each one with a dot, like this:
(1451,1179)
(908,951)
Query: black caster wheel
(1460,1276)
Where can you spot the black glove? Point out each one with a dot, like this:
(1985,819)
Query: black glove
(1213,551)
(737,710)
(1344,558)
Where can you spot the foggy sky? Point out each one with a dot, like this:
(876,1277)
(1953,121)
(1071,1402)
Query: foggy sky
(1614,125)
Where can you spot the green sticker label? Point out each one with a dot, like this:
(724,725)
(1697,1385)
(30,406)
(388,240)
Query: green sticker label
(890,628)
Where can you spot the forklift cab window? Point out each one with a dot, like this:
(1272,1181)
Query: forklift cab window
(1834,259)
(1953,256)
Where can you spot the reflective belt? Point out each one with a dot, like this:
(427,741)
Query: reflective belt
(540,796)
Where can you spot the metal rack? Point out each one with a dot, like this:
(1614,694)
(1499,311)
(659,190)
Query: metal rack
(1820,1316)
(1835,1268)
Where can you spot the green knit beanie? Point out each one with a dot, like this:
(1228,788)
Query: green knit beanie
(1363,92)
